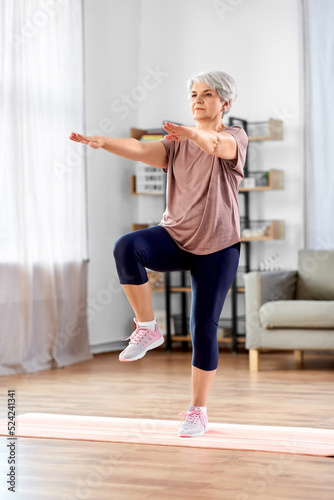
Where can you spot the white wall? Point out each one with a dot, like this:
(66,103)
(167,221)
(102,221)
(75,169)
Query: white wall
(111,39)
(157,45)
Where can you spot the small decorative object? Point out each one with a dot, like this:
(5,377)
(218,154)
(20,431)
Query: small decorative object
(223,333)
(149,180)
(161,317)
(262,179)
(270,264)
(258,129)
(255,233)
(248,182)
(156,279)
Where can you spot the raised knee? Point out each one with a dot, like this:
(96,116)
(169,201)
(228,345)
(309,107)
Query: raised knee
(116,249)
(122,246)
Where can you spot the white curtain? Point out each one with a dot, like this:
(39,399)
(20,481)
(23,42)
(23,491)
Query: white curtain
(318,41)
(43,230)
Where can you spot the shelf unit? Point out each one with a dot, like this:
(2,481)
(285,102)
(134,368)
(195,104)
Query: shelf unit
(275,230)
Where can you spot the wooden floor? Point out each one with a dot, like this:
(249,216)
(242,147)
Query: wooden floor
(158,386)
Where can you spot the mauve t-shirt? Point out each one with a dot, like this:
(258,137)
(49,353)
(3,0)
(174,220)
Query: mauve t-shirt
(202,211)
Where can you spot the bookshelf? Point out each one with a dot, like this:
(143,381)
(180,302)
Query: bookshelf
(255,182)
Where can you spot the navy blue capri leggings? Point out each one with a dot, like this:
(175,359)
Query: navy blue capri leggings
(211,278)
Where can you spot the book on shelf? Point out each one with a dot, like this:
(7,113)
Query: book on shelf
(154,131)
(151,137)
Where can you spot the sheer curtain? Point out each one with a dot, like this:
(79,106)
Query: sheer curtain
(318,40)
(43,230)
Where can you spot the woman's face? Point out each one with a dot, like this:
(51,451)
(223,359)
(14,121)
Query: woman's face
(205,103)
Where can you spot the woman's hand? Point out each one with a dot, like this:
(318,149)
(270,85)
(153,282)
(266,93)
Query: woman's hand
(178,132)
(95,142)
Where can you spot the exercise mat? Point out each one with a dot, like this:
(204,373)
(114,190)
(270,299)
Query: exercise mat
(295,440)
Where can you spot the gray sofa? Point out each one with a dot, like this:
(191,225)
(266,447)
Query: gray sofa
(292,310)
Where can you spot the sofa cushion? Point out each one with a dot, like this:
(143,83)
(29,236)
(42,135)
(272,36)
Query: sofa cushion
(315,275)
(297,314)
(278,285)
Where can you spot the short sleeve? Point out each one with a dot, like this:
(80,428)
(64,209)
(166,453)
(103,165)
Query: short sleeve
(169,146)
(242,142)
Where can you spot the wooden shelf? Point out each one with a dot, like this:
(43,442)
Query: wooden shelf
(275,131)
(276,232)
(136,133)
(136,227)
(276,181)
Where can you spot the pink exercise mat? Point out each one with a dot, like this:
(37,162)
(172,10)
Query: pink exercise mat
(295,440)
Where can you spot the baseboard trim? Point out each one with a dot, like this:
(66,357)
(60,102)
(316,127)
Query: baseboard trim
(110,346)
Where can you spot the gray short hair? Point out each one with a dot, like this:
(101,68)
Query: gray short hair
(218,80)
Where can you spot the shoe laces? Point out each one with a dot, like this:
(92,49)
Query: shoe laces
(137,335)
(192,416)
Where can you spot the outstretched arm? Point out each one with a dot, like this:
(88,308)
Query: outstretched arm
(221,144)
(152,153)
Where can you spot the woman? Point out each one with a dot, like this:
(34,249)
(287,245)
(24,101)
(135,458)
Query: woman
(199,230)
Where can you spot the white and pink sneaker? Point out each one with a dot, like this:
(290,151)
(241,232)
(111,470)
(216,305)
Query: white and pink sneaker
(194,423)
(141,341)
